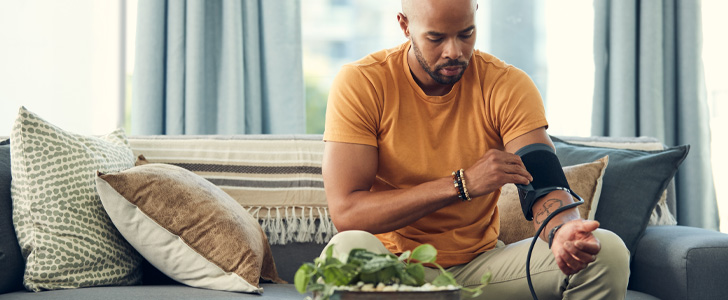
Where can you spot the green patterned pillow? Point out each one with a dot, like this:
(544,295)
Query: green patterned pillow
(64,232)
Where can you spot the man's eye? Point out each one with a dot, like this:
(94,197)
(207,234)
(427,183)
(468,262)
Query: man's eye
(466,36)
(435,40)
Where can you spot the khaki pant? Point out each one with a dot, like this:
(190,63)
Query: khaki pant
(605,278)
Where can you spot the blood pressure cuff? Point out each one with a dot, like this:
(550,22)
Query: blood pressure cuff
(543,165)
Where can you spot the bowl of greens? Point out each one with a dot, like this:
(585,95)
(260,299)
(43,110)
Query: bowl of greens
(367,275)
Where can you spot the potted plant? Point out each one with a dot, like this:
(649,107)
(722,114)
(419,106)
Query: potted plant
(367,275)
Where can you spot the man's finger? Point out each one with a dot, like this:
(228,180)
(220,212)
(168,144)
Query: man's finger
(588,225)
(564,267)
(518,179)
(518,170)
(569,259)
(591,248)
(578,254)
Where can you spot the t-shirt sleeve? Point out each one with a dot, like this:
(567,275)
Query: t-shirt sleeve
(516,104)
(353,110)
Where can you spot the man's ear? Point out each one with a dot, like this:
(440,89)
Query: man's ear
(403,24)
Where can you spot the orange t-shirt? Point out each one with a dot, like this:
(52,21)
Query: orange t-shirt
(376,101)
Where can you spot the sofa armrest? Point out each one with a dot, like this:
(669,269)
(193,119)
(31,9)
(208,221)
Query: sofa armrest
(680,262)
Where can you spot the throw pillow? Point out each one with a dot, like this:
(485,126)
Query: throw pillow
(584,179)
(632,184)
(64,233)
(188,228)
(661,215)
(11,260)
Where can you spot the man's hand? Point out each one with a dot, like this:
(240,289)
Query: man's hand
(493,170)
(574,246)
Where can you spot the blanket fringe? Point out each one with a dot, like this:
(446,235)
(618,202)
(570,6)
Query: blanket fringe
(284,225)
(661,215)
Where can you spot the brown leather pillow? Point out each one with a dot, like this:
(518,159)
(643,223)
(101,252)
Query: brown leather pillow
(584,179)
(187,227)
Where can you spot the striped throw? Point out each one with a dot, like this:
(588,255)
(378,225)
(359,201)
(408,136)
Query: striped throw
(275,178)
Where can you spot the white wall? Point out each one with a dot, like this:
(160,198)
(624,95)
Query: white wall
(61,60)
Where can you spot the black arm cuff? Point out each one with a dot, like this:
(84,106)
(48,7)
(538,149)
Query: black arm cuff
(541,162)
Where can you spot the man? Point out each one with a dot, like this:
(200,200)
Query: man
(400,121)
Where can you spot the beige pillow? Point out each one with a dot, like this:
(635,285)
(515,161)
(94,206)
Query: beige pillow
(188,228)
(584,179)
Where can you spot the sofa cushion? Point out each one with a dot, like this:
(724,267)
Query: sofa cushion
(65,234)
(584,179)
(632,184)
(187,227)
(11,261)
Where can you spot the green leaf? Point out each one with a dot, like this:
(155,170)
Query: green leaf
(425,253)
(417,273)
(485,279)
(303,277)
(444,279)
(330,251)
(478,290)
(332,275)
(387,275)
(316,287)
(368,278)
(332,261)
(350,273)
(378,263)
(405,255)
(360,255)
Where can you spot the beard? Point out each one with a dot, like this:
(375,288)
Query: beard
(435,73)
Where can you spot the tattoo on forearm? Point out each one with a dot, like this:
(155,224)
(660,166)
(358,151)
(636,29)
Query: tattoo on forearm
(549,206)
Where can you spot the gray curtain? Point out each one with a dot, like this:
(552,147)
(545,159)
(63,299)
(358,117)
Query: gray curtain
(218,67)
(649,82)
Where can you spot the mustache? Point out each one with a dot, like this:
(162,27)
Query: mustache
(452,63)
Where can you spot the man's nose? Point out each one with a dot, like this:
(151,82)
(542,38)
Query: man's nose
(452,50)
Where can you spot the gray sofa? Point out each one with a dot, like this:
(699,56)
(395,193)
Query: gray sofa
(669,262)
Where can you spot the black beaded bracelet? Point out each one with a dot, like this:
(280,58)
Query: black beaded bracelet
(459,183)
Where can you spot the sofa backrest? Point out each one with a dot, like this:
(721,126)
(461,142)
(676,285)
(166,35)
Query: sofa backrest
(301,228)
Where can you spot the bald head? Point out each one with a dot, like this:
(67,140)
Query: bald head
(414,9)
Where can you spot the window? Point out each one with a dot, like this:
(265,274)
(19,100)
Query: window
(716,80)
(64,61)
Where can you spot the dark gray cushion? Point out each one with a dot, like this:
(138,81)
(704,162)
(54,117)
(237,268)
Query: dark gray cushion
(632,184)
(12,264)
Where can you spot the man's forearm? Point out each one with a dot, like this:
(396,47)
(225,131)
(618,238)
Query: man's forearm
(385,211)
(547,205)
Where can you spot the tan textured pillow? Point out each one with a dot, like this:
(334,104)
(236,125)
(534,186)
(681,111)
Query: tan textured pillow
(584,179)
(188,228)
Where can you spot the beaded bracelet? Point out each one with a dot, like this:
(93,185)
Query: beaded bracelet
(459,183)
(465,188)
